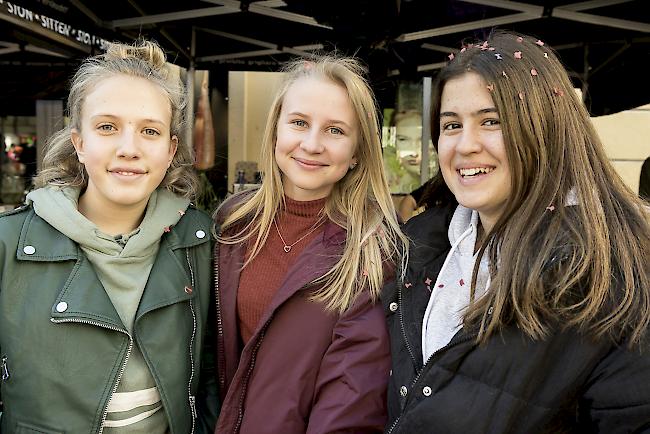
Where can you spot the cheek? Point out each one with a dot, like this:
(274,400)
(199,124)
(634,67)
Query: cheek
(445,152)
(277,149)
(445,155)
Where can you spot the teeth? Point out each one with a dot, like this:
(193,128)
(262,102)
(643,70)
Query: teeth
(474,170)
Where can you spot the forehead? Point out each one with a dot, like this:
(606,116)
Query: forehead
(319,95)
(467,92)
(128,97)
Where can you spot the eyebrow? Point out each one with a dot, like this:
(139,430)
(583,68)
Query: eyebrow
(476,113)
(105,115)
(329,121)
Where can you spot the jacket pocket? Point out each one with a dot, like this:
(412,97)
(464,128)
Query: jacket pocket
(25,428)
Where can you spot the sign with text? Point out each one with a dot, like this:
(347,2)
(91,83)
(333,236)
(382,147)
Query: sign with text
(56,26)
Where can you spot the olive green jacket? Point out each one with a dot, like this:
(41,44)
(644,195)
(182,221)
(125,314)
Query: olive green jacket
(64,347)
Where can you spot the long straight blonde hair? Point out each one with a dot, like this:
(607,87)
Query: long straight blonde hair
(360,202)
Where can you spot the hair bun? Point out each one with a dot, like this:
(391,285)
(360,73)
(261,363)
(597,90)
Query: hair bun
(146,51)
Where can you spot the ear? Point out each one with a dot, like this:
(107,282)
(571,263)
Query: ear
(353,163)
(173,147)
(77,142)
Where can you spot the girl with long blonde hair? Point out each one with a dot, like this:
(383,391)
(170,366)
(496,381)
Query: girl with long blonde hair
(301,261)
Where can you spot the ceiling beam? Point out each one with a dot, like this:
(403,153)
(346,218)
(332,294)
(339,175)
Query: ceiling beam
(510,5)
(258,8)
(571,12)
(259,43)
(9,50)
(434,47)
(431,66)
(173,16)
(472,25)
(258,53)
(592,4)
(89,13)
(600,20)
(163,32)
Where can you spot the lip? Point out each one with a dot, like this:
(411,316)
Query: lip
(475,166)
(126,172)
(310,164)
(476,179)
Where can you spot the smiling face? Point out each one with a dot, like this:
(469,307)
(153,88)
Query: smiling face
(317,134)
(124,143)
(471,151)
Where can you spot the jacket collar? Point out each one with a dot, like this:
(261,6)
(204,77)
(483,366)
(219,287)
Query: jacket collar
(82,297)
(41,242)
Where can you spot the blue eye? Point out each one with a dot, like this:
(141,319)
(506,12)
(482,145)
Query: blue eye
(106,127)
(335,130)
(299,123)
(151,132)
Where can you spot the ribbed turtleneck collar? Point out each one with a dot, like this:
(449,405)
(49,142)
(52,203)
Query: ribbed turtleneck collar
(309,208)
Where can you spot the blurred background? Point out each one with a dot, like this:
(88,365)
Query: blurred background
(228,53)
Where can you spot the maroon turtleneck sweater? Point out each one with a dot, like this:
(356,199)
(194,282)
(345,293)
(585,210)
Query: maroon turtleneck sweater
(260,279)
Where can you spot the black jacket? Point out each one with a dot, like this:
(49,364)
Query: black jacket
(512,384)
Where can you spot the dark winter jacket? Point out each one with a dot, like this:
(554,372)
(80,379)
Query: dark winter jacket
(512,384)
(64,346)
(304,370)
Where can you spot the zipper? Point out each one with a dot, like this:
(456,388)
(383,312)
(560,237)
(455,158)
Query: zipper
(5,369)
(251,366)
(126,359)
(191,398)
(426,364)
(421,371)
(221,363)
(240,416)
(401,320)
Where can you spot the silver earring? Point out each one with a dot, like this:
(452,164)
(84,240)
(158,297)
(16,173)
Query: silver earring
(353,165)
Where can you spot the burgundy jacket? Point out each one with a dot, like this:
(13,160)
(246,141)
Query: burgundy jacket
(304,370)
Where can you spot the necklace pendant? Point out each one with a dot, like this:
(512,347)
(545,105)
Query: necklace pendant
(287,249)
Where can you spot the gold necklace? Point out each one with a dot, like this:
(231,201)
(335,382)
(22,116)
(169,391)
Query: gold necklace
(287,247)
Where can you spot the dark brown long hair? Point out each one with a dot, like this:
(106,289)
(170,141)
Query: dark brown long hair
(584,266)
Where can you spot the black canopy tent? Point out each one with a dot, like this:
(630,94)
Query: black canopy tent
(605,43)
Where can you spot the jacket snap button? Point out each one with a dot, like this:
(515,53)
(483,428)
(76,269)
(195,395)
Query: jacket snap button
(29,250)
(200,234)
(188,289)
(426,391)
(392,307)
(403,391)
(62,306)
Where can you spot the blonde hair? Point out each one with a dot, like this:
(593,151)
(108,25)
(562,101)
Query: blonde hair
(144,59)
(584,266)
(360,202)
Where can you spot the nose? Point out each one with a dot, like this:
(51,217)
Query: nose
(128,146)
(311,142)
(469,141)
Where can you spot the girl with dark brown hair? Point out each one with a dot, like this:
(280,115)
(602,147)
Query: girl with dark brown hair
(525,305)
